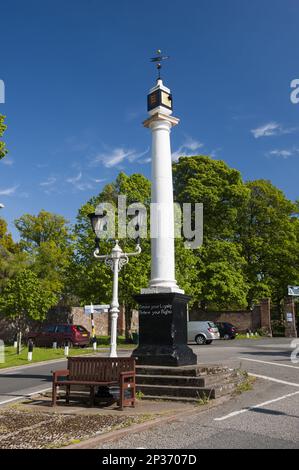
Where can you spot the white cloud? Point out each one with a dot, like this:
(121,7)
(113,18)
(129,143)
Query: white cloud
(96,180)
(110,159)
(117,156)
(49,181)
(145,160)
(7,161)
(214,152)
(283,153)
(184,150)
(75,179)
(272,128)
(8,191)
(192,144)
(78,184)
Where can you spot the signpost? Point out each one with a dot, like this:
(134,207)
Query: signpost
(293,290)
(96,308)
(89,310)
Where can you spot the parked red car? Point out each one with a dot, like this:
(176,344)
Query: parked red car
(75,335)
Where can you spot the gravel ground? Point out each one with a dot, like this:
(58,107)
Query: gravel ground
(21,429)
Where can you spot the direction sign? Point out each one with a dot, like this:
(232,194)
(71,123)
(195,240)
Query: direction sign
(293,290)
(96,309)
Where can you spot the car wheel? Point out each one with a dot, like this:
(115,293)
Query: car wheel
(210,341)
(200,339)
(226,336)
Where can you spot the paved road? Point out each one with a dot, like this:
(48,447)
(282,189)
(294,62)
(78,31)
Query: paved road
(265,417)
(20,382)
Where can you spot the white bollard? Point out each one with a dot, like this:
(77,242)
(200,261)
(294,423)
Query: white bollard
(66,350)
(15,344)
(247,335)
(55,345)
(94,344)
(30,350)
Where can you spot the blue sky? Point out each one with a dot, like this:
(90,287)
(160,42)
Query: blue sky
(77,74)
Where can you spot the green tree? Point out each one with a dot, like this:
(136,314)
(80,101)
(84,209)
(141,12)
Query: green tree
(217,267)
(25,298)
(269,236)
(6,240)
(47,239)
(46,226)
(217,186)
(11,258)
(220,275)
(91,279)
(3,127)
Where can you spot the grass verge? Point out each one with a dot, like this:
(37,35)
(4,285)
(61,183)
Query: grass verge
(39,355)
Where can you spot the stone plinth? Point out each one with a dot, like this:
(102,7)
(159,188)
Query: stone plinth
(163,330)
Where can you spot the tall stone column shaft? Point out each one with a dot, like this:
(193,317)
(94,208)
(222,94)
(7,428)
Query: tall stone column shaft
(162,212)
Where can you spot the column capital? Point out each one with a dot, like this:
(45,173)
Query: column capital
(173,121)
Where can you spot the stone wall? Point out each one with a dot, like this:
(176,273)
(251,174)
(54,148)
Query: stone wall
(244,320)
(7,330)
(101,320)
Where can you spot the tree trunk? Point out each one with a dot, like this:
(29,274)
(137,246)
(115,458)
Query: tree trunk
(19,341)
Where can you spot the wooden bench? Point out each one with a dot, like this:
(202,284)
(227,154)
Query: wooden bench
(97,371)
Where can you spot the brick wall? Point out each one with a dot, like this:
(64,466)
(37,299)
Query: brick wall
(101,320)
(289,310)
(244,320)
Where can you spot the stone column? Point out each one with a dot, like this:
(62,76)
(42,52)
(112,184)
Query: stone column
(162,213)
(162,305)
(290,318)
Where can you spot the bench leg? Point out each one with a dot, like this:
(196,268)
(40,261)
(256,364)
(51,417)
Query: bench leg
(121,396)
(54,394)
(67,394)
(91,401)
(125,401)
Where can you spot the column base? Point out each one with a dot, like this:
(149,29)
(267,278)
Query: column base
(163,330)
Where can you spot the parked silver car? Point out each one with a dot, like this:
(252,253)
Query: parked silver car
(202,332)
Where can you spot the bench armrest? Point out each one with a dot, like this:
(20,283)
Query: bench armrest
(60,373)
(128,373)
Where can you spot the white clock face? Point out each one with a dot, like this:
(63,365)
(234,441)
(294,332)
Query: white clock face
(166,99)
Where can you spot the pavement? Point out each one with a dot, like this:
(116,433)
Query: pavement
(265,417)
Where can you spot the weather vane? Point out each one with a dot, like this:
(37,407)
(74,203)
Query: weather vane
(159,59)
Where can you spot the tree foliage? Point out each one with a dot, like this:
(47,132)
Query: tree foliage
(24,297)
(3,127)
(47,240)
(268,233)
(218,270)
